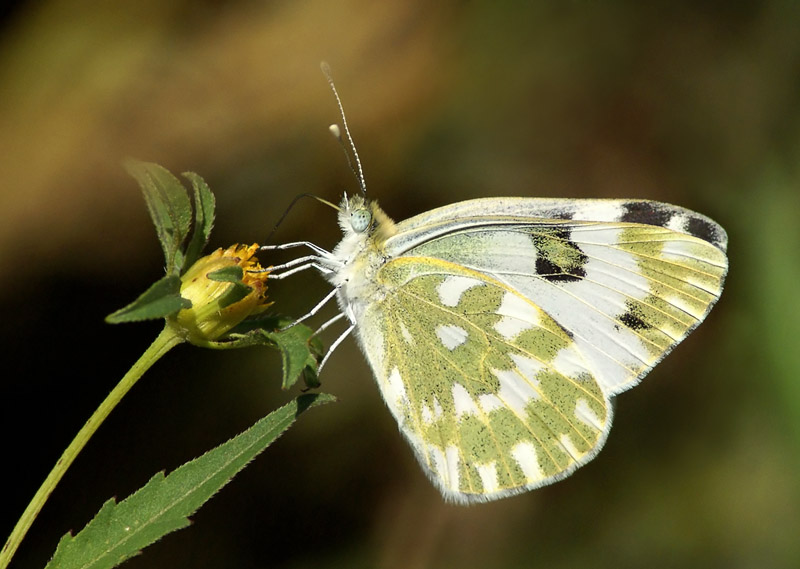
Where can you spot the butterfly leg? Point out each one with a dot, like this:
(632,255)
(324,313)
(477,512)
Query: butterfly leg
(327,324)
(297,265)
(316,248)
(335,345)
(350,316)
(317,261)
(316,308)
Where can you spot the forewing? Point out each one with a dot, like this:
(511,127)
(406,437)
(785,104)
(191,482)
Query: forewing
(626,293)
(491,392)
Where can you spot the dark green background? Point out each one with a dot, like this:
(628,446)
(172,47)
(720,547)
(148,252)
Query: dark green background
(691,103)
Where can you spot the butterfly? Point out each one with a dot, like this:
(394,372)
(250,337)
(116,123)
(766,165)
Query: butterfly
(499,329)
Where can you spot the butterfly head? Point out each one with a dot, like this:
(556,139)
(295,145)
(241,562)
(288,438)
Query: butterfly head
(358,216)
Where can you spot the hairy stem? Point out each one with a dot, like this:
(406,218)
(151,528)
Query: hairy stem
(165,341)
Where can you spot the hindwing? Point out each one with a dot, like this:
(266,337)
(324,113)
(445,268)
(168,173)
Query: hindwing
(491,392)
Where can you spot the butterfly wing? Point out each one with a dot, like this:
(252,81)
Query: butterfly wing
(490,390)
(628,282)
(498,340)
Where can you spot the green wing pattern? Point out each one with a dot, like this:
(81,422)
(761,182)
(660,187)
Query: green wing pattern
(489,389)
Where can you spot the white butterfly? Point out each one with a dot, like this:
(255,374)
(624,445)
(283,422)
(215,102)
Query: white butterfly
(498,329)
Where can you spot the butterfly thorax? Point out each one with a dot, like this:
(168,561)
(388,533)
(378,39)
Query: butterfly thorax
(360,253)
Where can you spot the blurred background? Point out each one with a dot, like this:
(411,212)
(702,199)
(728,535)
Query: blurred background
(696,104)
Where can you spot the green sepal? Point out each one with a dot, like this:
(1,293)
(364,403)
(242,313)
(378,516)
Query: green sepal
(204,206)
(121,530)
(169,206)
(162,299)
(232,275)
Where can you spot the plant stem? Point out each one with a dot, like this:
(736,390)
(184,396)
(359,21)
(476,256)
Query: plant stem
(165,341)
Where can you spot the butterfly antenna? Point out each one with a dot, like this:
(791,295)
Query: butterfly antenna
(358,171)
(289,208)
(337,134)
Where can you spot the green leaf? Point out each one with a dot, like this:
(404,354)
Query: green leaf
(162,299)
(169,206)
(297,355)
(120,531)
(299,351)
(204,205)
(316,351)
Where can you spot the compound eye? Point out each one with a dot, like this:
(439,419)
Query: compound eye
(360,220)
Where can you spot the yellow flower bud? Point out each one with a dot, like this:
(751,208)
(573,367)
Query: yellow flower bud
(216,307)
